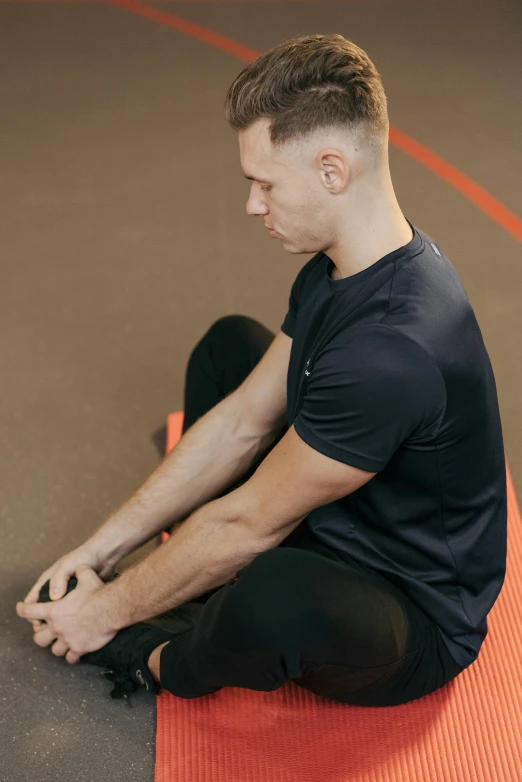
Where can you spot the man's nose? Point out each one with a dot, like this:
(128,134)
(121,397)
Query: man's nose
(256,204)
(256,210)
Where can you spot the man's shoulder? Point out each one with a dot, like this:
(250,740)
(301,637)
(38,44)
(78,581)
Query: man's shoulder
(377,335)
(378,350)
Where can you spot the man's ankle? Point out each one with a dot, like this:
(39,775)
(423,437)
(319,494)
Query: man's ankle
(154,662)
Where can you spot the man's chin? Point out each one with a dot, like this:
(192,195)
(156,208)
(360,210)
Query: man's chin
(294,249)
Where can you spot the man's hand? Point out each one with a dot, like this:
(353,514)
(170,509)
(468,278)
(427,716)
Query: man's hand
(78,623)
(58,574)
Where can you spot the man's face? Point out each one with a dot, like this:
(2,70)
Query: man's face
(286,191)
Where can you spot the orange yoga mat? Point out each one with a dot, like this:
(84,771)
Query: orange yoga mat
(468,731)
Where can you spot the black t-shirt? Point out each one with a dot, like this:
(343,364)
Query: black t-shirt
(389,373)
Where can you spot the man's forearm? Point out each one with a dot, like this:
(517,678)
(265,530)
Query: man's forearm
(203,553)
(211,456)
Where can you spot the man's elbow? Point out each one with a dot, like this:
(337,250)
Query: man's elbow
(266,529)
(263,529)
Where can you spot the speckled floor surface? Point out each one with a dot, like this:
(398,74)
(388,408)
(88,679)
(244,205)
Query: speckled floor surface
(124,236)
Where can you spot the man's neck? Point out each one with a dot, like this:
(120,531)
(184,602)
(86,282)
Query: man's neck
(357,252)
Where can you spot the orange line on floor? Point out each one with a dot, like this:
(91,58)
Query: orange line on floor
(216,2)
(460,181)
(189,28)
(470,189)
(422,154)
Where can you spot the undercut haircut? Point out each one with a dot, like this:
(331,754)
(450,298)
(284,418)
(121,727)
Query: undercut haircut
(308,84)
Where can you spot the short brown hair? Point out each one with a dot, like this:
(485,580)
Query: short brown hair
(308,83)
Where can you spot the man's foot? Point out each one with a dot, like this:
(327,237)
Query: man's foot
(125,657)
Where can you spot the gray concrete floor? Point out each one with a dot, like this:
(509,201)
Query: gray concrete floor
(125,236)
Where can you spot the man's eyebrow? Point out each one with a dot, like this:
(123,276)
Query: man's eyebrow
(253,179)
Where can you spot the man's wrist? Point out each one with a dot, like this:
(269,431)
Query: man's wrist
(111,603)
(106,549)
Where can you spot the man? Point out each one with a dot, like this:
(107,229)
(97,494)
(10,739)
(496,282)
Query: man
(362,552)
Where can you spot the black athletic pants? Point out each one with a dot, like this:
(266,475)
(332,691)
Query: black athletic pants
(300,611)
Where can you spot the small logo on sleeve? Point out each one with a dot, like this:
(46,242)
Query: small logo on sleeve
(436,250)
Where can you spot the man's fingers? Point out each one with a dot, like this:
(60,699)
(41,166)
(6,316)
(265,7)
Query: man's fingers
(44,637)
(86,575)
(60,648)
(34,593)
(58,586)
(34,610)
(72,658)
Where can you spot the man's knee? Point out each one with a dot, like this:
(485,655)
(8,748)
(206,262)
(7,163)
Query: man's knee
(227,335)
(223,336)
(268,603)
(230,327)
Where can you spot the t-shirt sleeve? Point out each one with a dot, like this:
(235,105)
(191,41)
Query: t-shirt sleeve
(370,391)
(296,294)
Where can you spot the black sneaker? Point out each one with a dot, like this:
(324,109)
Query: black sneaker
(125,657)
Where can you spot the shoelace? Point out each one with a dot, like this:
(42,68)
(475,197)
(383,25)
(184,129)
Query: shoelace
(123,685)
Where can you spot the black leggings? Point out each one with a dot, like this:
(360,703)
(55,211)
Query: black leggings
(300,611)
